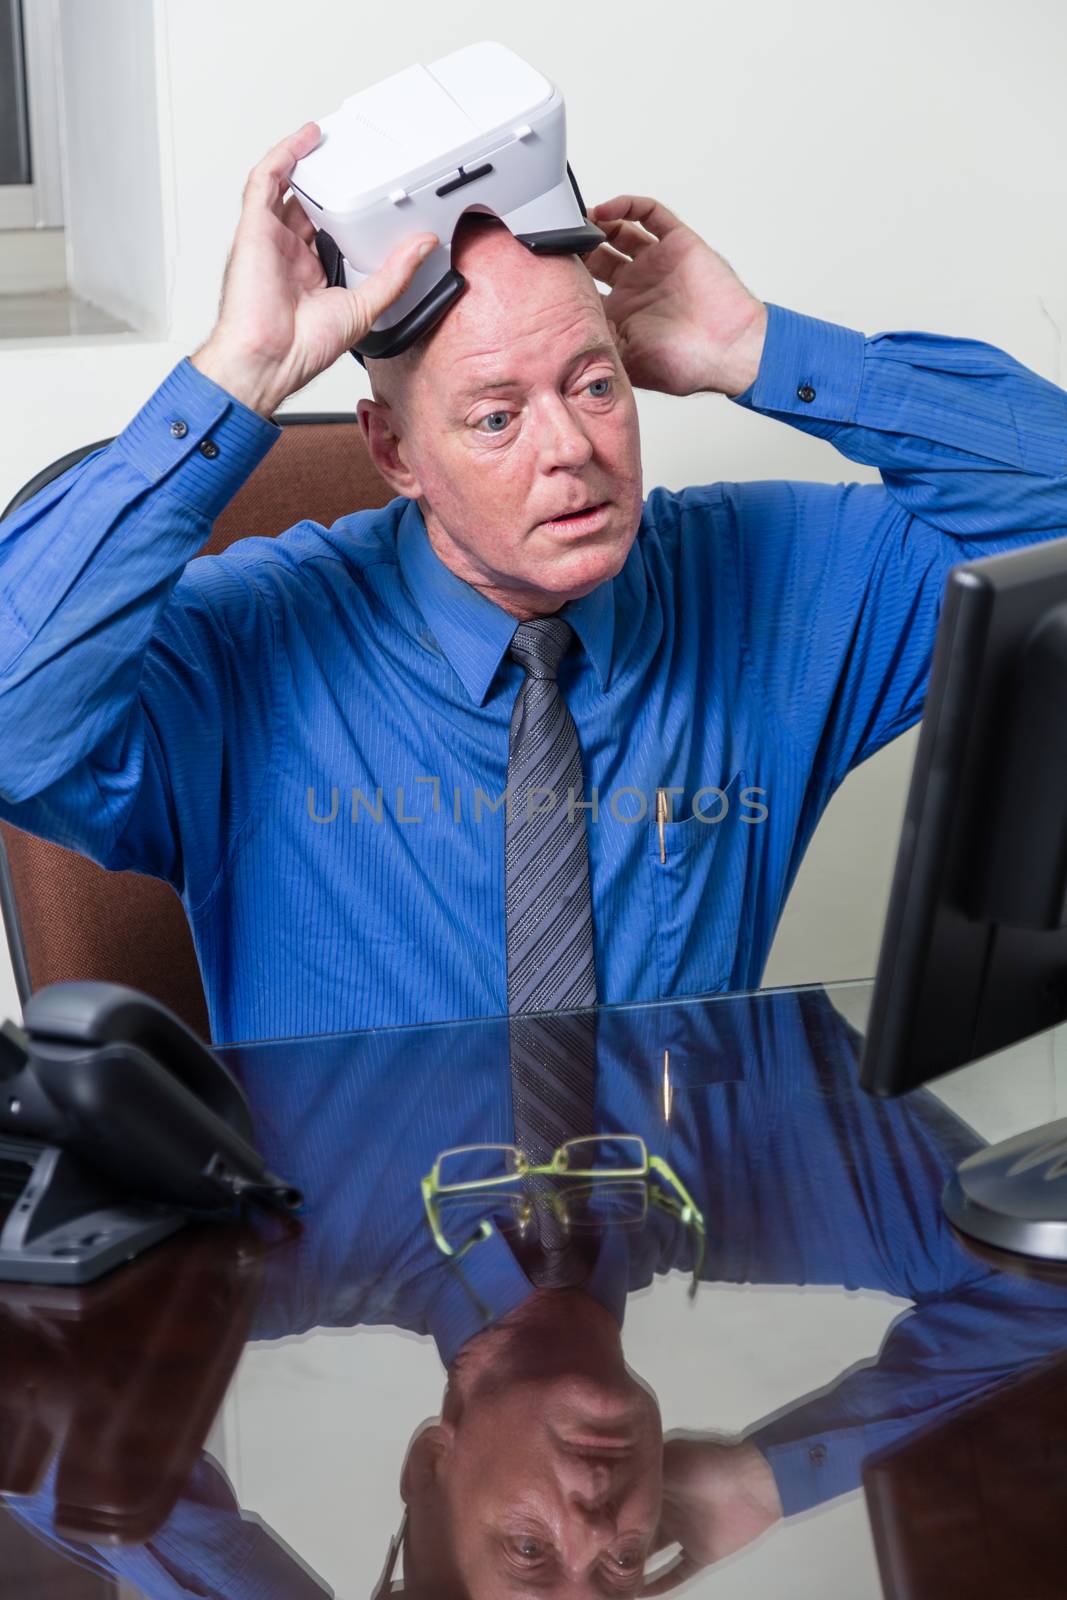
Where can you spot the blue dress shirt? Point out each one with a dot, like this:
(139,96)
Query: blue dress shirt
(306,736)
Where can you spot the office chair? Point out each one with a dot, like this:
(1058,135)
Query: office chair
(64,916)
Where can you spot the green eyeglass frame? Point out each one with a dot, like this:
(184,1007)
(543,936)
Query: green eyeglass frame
(573,1159)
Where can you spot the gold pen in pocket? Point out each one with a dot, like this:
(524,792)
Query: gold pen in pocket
(661,818)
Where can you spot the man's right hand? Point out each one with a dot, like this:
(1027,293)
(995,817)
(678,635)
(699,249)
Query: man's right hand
(279,324)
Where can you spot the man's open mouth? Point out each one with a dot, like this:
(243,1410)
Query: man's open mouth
(584,514)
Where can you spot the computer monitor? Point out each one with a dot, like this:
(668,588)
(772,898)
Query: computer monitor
(974,951)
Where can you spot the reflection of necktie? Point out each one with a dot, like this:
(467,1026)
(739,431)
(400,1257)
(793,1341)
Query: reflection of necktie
(553,1081)
(548,907)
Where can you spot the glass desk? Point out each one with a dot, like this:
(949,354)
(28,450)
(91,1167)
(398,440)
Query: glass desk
(243,1411)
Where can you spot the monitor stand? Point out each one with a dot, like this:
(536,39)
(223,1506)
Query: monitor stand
(60,1223)
(1013,1195)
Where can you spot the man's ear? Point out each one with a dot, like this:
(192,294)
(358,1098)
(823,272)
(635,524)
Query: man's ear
(378,425)
(426,1459)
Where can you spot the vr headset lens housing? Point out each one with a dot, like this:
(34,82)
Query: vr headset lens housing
(479,130)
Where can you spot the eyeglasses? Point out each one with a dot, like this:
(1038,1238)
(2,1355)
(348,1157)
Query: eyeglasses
(601,1180)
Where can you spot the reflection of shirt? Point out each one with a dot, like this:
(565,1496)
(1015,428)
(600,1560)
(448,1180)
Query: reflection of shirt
(802,1179)
(761,639)
(207,1548)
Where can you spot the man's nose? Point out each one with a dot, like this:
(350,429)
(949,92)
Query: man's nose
(564,441)
(592,1528)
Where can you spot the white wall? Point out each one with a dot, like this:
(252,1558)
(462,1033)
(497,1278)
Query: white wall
(114,227)
(886,168)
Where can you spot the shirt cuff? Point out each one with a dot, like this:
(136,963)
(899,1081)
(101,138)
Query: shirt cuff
(809,369)
(197,438)
(808,1472)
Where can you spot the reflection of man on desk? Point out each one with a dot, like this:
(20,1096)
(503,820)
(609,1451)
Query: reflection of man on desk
(718,658)
(544,1465)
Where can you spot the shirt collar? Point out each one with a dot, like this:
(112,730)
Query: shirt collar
(472,632)
(488,1283)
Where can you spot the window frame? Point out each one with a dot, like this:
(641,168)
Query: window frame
(39,204)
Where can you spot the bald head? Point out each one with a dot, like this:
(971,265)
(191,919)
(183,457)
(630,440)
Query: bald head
(495,266)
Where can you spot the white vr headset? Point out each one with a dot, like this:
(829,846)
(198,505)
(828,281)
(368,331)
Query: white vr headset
(479,130)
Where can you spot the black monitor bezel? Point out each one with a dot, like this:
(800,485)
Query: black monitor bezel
(952,984)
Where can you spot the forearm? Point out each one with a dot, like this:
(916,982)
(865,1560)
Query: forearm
(88,565)
(963,435)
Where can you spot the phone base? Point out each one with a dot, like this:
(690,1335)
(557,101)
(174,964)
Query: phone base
(60,1224)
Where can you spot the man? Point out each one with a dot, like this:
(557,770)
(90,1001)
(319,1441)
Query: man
(311,738)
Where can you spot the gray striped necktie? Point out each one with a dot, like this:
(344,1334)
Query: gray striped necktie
(553,1086)
(548,907)
(549,922)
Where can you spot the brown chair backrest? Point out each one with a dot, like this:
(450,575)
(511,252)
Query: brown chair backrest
(65,916)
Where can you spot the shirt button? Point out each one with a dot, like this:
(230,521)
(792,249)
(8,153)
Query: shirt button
(179,429)
(806,393)
(817,1455)
(209,448)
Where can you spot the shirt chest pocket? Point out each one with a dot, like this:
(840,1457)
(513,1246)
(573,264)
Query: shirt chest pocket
(698,866)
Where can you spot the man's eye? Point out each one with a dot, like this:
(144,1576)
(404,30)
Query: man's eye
(628,1560)
(526,1548)
(599,388)
(494,422)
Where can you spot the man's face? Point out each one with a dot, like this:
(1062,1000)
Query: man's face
(551,1486)
(516,414)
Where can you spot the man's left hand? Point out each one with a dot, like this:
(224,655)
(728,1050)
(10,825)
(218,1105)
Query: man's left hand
(718,1495)
(684,321)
